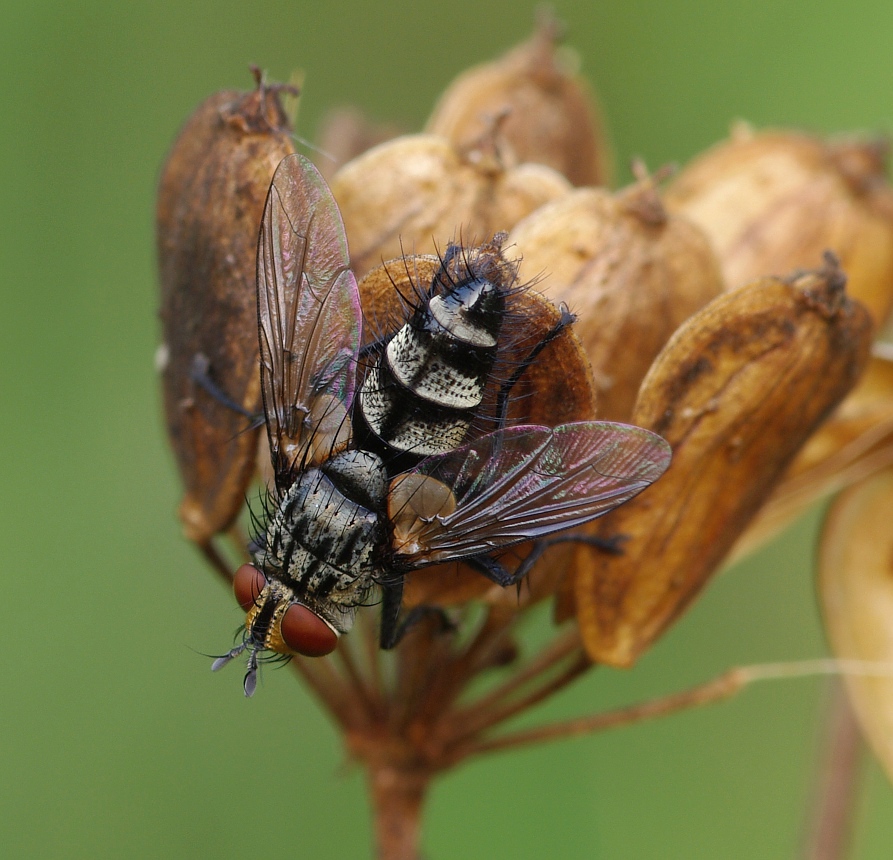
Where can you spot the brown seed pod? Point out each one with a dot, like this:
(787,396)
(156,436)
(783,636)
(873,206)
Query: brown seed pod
(537,400)
(736,392)
(631,272)
(774,201)
(856,591)
(855,441)
(345,133)
(417,193)
(550,113)
(210,200)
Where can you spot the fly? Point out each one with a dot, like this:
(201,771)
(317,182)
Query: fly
(380,473)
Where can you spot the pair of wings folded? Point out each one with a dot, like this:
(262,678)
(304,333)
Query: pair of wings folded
(512,485)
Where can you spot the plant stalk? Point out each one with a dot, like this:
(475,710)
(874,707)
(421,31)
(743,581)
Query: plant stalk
(398,795)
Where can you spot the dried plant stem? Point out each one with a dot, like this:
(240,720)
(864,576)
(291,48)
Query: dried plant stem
(553,654)
(478,720)
(342,700)
(365,693)
(487,649)
(835,796)
(402,721)
(217,561)
(397,794)
(721,687)
(368,633)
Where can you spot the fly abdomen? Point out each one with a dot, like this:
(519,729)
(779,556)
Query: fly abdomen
(423,391)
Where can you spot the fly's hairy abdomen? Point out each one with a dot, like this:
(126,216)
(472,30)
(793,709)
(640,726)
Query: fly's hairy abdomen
(422,393)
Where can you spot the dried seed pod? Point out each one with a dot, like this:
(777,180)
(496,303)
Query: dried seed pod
(855,441)
(417,193)
(345,133)
(210,200)
(536,400)
(856,591)
(550,113)
(774,201)
(631,272)
(736,392)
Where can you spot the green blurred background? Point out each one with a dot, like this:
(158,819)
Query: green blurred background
(117,741)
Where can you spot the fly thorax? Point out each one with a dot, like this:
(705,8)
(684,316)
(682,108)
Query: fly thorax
(324,538)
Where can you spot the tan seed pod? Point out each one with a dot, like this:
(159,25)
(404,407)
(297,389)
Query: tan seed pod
(774,201)
(537,399)
(856,591)
(855,441)
(550,113)
(414,194)
(210,200)
(631,272)
(345,133)
(737,390)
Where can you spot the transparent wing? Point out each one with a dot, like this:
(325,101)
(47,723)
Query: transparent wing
(526,482)
(309,318)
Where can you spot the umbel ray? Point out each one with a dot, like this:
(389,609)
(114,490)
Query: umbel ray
(379,460)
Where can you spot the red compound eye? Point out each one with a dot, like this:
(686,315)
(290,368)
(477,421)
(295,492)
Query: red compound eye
(248,583)
(306,633)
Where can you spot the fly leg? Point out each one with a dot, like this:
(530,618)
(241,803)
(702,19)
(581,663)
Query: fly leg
(391,598)
(393,627)
(200,373)
(502,399)
(497,572)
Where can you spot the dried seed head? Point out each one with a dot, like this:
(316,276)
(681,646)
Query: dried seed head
(536,400)
(210,200)
(550,114)
(419,192)
(736,392)
(774,201)
(856,591)
(855,441)
(631,272)
(344,134)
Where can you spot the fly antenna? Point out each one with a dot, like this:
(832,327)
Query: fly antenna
(220,662)
(250,682)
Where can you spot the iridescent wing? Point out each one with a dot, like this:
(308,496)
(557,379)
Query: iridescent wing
(520,484)
(309,319)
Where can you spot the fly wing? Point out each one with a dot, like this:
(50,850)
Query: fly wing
(526,482)
(309,319)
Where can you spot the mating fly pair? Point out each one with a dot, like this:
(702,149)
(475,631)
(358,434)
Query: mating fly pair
(382,461)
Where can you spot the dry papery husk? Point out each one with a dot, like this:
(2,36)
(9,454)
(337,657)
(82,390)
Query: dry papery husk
(550,114)
(853,443)
(536,399)
(774,201)
(736,392)
(856,591)
(416,193)
(210,199)
(346,132)
(631,272)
